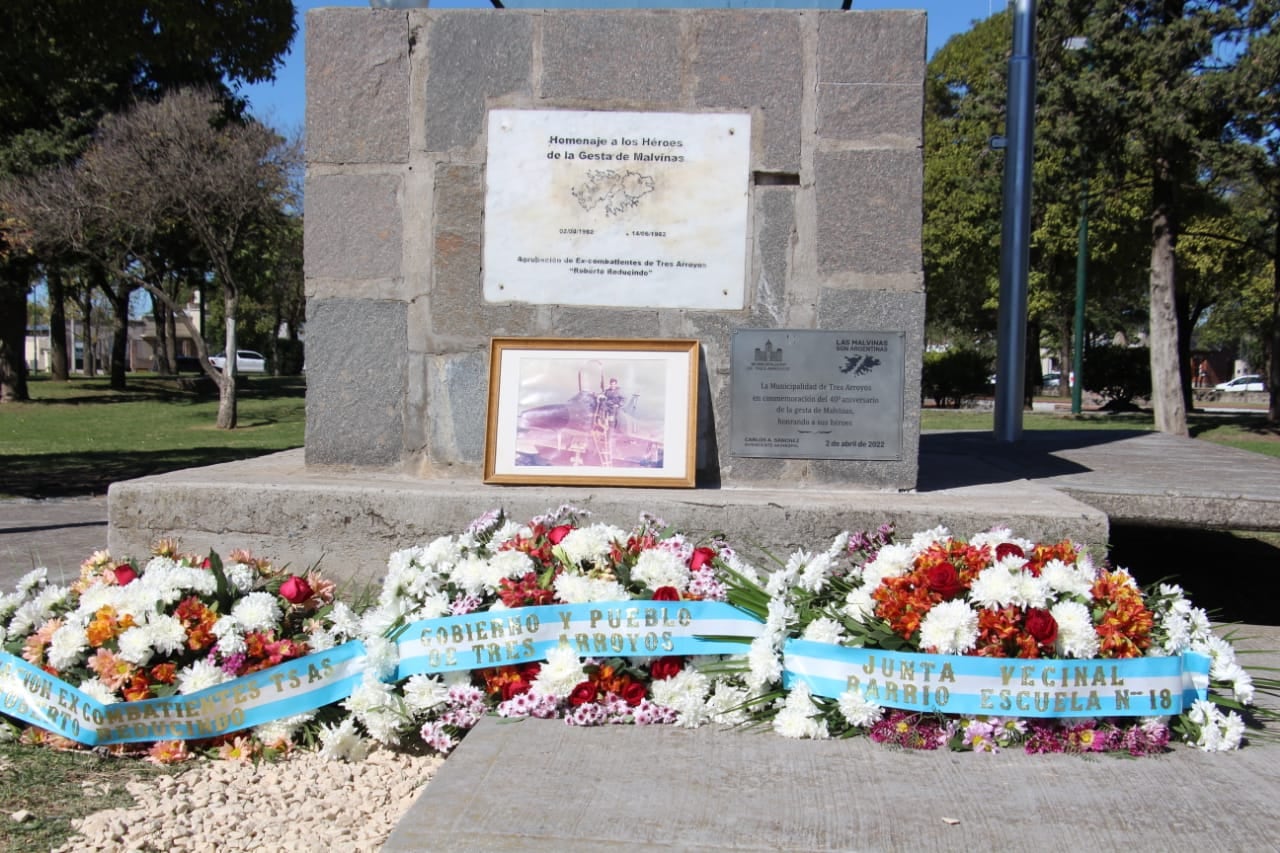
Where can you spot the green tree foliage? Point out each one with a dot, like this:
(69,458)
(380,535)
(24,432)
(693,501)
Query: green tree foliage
(1118,374)
(68,63)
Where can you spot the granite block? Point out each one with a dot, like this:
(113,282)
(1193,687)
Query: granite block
(357,86)
(353,226)
(618,56)
(357,357)
(869,205)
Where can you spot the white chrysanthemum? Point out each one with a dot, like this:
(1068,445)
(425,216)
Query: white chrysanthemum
(37,577)
(431,607)
(824,630)
(891,561)
(858,710)
(685,693)
(921,541)
(764,664)
(168,636)
(1076,635)
(859,604)
(135,645)
(475,575)
(342,742)
(780,613)
(800,717)
(813,577)
(578,589)
(726,704)
(561,672)
(1031,591)
(382,657)
(424,692)
(839,545)
(509,530)
(590,544)
(281,730)
(230,635)
(381,619)
(405,560)
(344,621)
(95,689)
(949,628)
(66,646)
(741,566)
(35,611)
(257,611)
(1241,683)
(513,564)
(994,587)
(1222,656)
(658,567)
(199,675)
(241,576)
(1067,579)
(442,551)
(997,536)
(321,640)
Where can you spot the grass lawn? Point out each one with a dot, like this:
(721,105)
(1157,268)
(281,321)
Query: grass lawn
(78,437)
(1246,429)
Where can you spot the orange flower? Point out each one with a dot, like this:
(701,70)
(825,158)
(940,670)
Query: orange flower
(137,689)
(164,673)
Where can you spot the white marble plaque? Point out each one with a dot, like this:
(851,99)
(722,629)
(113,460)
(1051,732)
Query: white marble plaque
(617,209)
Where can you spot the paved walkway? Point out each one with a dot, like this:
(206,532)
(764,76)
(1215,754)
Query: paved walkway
(57,533)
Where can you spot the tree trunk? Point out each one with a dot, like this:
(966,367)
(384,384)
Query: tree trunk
(87,366)
(227,388)
(165,364)
(13,339)
(1273,356)
(1185,325)
(1166,369)
(57,325)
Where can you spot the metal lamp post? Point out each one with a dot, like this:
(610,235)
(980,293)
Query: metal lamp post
(1082,263)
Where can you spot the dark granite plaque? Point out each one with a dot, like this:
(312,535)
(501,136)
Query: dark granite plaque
(799,394)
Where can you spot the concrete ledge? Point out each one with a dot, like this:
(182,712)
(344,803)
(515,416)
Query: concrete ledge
(350,521)
(540,785)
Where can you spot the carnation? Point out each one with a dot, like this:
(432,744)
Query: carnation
(1076,635)
(858,710)
(560,673)
(658,567)
(949,628)
(823,630)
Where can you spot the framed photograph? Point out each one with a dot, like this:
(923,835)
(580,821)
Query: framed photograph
(606,412)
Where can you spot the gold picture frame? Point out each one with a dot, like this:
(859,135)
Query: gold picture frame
(592,411)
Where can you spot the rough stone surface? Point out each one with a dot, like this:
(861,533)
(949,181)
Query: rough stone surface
(869,211)
(356,360)
(870,77)
(352,228)
(357,87)
(472,57)
(775,243)
(624,57)
(755,64)
(459,409)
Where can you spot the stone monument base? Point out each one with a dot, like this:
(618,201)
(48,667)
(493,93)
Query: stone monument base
(349,521)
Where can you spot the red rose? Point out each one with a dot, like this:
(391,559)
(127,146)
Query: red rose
(664,668)
(1041,625)
(1008,549)
(582,694)
(944,580)
(666,593)
(125,574)
(558,533)
(295,590)
(634,693)
(701,556)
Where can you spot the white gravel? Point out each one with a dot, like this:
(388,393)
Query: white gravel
(303,803)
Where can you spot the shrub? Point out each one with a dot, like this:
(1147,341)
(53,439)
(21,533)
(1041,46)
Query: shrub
(952,377)
(1118,374)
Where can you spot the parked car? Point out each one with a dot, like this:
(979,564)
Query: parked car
(247,361)
(1052,379)
(1250,382)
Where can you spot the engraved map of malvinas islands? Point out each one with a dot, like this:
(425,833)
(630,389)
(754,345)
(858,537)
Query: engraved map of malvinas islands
(612,190)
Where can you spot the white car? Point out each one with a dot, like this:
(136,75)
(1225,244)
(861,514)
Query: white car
(1242,383)
(247,361)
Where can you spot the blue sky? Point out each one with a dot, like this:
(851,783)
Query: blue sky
(281,103)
